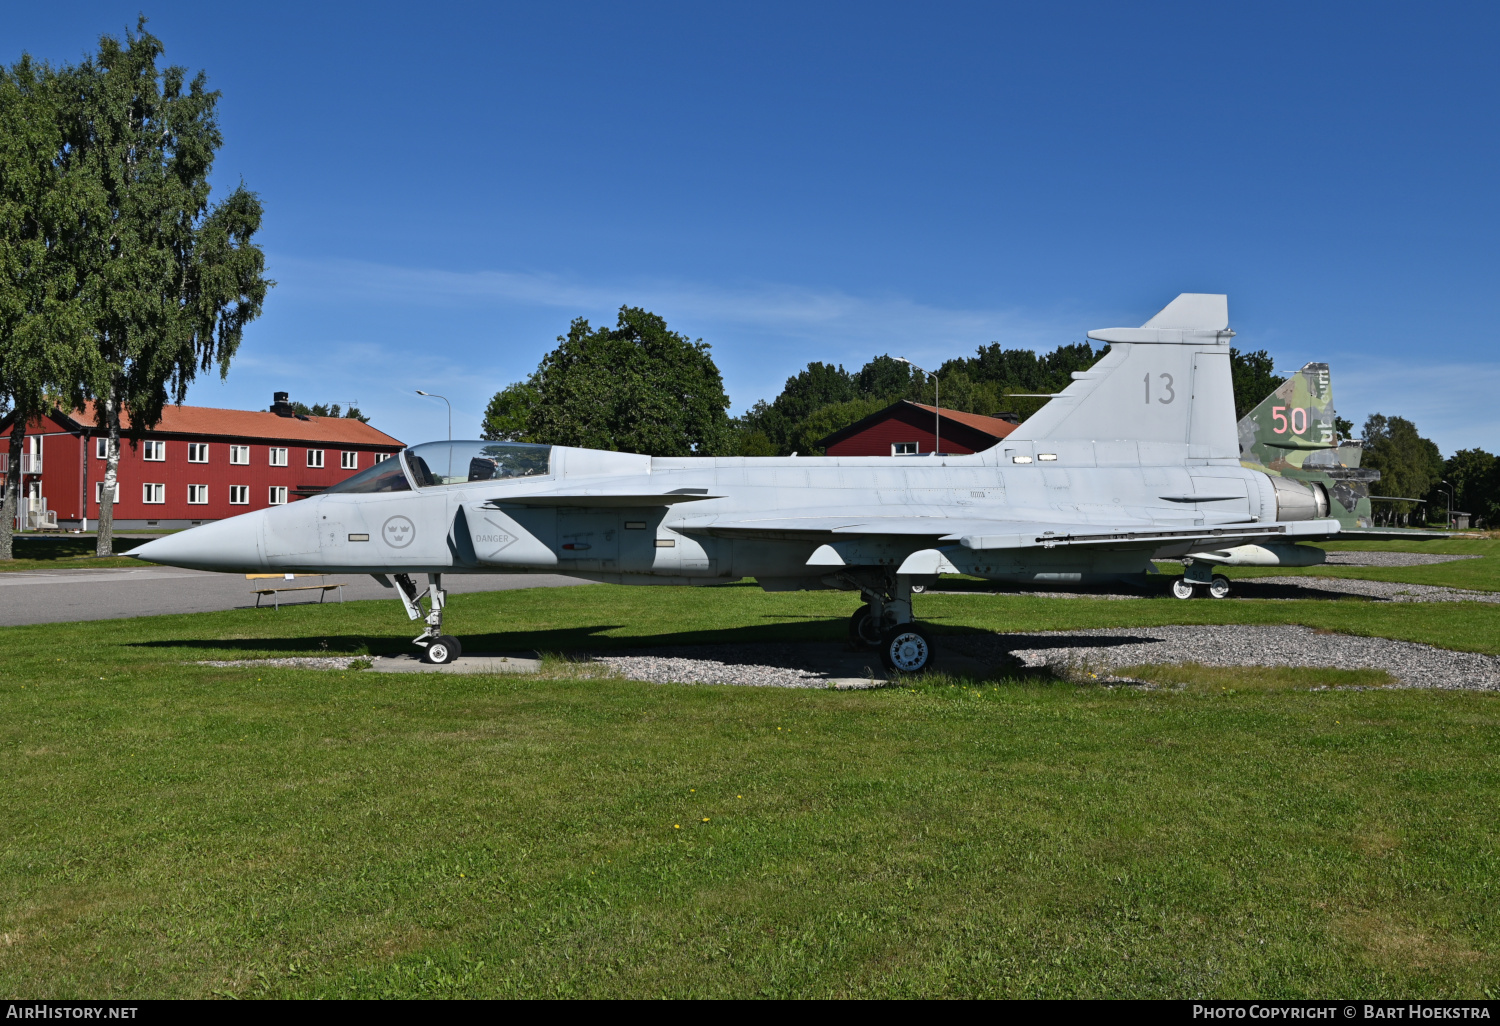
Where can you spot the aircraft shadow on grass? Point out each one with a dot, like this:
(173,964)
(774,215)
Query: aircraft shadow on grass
(594,638)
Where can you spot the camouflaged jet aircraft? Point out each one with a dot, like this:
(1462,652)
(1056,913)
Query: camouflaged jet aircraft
(1137,458)
(1292,434)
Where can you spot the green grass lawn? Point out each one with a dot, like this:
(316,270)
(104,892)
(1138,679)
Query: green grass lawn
(173,829)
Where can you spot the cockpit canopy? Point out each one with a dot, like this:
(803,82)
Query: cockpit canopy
(448,463)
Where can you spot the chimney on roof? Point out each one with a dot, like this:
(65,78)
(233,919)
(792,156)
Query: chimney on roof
(280,406)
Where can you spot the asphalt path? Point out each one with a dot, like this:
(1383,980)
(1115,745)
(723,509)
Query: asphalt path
(65,596)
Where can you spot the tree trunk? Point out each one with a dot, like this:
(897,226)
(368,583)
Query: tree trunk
(105,544)
(12,489)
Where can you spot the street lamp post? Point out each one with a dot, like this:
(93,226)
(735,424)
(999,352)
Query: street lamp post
(937,409)
(434,395)
(1450,504)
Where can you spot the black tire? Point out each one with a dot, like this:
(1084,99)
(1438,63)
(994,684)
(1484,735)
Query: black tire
(864,629)
(442,650)
(1183,588)
(906,648)
(1219,587)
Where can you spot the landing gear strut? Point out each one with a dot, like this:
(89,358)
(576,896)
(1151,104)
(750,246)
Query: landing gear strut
(885,621)
(436,646)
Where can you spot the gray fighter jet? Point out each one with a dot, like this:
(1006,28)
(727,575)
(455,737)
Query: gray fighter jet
(1139,457)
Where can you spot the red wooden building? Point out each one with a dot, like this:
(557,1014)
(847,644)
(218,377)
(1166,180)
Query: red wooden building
(198,464)
(908,428)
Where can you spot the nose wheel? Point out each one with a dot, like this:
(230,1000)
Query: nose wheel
(443,649)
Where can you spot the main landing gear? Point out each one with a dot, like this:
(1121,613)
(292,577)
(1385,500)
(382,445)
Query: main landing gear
(1198,579)
(436,646)
(885,623)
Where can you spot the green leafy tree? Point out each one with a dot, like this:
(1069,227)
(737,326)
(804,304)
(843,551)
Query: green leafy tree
(173,281)
(636,387)
(508,416)
(1254,375)
(1409,464)
(40,301)
(335,410)
(1475,477)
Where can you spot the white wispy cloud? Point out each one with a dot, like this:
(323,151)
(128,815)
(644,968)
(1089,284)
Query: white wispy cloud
(830,316)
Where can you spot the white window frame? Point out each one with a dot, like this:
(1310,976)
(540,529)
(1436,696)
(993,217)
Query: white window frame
(154,446)
(101,447)
(381,457)
(99,492)
(203,501)
(153,488)
(239,455)
(898,449)
(278,456)
(278,495)
(197,452)
(318,453)
(348,460)
(239,495)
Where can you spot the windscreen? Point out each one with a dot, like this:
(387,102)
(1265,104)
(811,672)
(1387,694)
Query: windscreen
(385,476)
(447,463)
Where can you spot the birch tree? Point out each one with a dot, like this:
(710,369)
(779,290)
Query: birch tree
(172,279)
(40,299)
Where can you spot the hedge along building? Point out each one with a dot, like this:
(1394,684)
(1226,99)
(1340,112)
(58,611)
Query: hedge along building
(198,464)
(907,429)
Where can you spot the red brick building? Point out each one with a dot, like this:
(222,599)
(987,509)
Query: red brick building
(198,464)
(908,428)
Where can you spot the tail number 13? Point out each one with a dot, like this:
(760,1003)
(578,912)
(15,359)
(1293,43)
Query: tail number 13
(1166,386)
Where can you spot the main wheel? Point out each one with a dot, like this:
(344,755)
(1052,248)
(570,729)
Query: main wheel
(906,647)
(864,629)
(442,650)
(1183,588)
(1219,586)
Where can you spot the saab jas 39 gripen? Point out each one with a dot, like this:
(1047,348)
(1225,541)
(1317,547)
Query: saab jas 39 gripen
(1138,458)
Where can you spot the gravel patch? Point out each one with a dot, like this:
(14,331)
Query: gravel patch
(1391,558)
(296,662)
(1413,665)
(765,666)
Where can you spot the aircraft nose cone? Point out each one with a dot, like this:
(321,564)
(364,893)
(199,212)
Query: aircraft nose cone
(229,545)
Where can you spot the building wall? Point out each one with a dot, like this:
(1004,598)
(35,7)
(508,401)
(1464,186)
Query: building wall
(907,425)
(71,468)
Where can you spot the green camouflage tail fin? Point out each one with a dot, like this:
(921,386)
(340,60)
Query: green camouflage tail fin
(1292,434)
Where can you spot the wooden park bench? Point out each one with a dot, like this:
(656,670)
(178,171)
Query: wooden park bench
(276,593)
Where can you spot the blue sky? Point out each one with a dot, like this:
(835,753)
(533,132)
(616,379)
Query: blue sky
(446,186)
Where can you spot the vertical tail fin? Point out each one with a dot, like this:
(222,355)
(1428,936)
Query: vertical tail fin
(1292,434)
(1163,388)
(1294,424)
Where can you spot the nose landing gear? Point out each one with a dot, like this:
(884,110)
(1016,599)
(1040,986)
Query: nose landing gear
(437,647)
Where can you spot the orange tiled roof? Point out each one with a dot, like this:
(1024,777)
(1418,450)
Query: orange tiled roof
(992,426)
(206,420)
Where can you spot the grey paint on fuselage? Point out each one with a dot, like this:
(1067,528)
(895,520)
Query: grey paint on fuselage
(1138,457)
